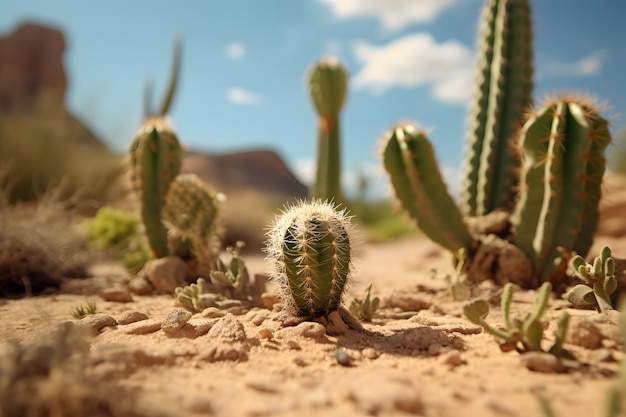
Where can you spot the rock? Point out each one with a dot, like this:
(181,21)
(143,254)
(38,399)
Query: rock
(131,316)
(583,332)
(165,274)
(306,329)
(118,295)
(406,301)
(96,322)
(542,362)
(143,327)
(175,321)
(140,286)
(228,330)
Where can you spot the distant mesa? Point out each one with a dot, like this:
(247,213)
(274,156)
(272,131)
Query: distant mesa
(261,171)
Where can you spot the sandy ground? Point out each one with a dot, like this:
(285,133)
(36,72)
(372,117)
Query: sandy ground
(418,358)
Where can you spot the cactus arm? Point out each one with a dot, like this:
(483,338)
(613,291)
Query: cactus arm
(503,94)
(148,92)
(173,81)
(410,162)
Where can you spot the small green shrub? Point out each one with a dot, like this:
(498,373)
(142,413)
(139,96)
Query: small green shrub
(599,281)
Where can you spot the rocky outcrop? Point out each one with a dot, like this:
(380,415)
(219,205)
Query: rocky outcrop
(31,63)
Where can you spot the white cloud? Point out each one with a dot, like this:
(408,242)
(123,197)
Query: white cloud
(587,66)
(304,170)
(414,60)
(238,95)
(235,50)
(393,14)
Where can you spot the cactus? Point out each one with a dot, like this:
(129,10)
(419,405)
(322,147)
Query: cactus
(327,85)
(536,184)
(190,213)
(563,163)
(503,93)
(171,88)
(599,281)
(409,159)
(309,249)
(155,160)
(522,335)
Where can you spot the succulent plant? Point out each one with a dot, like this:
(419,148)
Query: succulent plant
(532,188)
(188,296)
(234,277)
(309,249)
(520,334)
(599,281)
(190,213)
(327,85)
(364,308)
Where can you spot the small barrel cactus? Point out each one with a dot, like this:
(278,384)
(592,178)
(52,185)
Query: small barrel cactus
(155,160)
(309,249)
(328,81)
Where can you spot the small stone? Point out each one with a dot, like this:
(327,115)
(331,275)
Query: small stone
(342,357)
(293,345)
(452,358)
(118,295)
(306,329)
(143,326)
(201,326)
(583,332)
(270,299)
(140,286)
(370,353)
(213,312)
(175,320)
(131,316)
(265,333)
(406,301)
(95,322)
(167,273)
(542,362)
(299,361)
(228,329)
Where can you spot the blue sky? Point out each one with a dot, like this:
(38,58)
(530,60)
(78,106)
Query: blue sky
(244,64)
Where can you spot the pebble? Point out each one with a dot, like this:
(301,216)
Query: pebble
(201,326)
(118,295)
(95,322)
(140,286)
(306,329)
(175,320)
(370,353)
(452,358)
(143,326)
(131,316)
(542,362)
(342,357)
(228,329)
(167,273)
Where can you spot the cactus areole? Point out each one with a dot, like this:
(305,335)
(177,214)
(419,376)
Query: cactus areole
(309,250)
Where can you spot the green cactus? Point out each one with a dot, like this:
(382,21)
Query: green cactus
(409,159)
(327,85)
(599,281)
(310,253)
(563,163)
(155,160)
(190,213)
(503,93)
(520,334)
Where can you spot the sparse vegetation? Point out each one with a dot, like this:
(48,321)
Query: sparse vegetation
(520,334)
(84,310)
(599,281)
(364,308)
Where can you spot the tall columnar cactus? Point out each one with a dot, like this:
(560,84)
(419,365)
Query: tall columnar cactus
(155,160)
(502,95)
(327,84)
(563,163)
(409,159)
(310,254)
(190,212)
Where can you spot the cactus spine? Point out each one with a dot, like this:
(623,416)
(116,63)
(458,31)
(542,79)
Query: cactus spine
(502,94)
(327,85)
(309,249)
(409,159)
(190,212)
(155,160)
(563,150)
